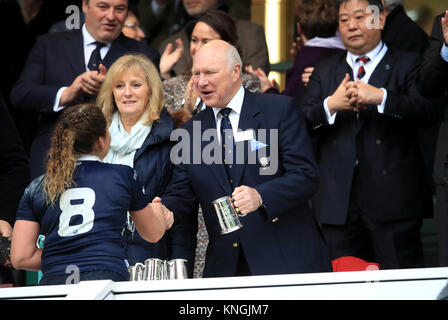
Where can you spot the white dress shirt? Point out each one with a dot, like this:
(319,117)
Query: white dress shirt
(235,104)
(375,56)
(89,45)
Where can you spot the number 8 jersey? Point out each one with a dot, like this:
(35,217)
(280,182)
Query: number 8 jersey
(83,228)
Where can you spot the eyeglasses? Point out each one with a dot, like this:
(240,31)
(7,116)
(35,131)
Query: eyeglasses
(131,25)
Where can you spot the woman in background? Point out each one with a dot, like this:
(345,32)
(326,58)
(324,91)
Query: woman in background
(182,99)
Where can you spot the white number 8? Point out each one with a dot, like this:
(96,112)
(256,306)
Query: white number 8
(86,199)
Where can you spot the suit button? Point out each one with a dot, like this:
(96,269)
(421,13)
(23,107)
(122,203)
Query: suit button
(274,220)
(384,172)
(378,141)
(235,245)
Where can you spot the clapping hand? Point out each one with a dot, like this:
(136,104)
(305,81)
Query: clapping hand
(169,58)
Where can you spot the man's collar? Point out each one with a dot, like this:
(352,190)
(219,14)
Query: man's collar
(351,58)
(235,104)
(88,38)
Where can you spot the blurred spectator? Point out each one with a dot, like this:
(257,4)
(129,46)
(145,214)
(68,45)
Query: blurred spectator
(251,38)
(400,31)
(14,177)
(179,91)
(317,22)
(433,84)
(131,27)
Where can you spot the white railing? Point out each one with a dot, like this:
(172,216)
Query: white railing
(402,284)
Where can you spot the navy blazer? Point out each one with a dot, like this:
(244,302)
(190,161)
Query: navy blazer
(384,147)
(152,164)
(55,61)
(280,238)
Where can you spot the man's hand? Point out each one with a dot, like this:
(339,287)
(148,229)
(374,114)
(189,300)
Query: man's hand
(340,100)
(360,94)
(88,82)
(246,199)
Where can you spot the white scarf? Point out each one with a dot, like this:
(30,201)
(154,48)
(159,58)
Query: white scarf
(330,42)
(124,145)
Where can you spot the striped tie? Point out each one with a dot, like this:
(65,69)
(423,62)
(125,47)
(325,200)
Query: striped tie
(361,70)
(227,143)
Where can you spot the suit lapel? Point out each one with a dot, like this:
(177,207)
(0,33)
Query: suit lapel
(378,79)
(116,50)
(382,71)
(249,119)
(208,123)
(74,49)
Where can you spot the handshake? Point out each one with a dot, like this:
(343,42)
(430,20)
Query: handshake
(354,95)
(167,215)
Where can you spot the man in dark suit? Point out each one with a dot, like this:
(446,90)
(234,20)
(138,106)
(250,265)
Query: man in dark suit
(271,176)
(364,110)
(14,178)
(67,68)
(400,32)
(432,82)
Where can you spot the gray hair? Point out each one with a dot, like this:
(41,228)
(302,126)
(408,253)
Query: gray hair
(233,57)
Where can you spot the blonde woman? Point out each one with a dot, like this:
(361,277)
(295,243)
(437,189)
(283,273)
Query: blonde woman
(132,100)
(80,206)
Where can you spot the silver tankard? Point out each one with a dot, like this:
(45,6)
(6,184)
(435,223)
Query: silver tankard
(176,269)
(154,269)
(227,214)
(139,269)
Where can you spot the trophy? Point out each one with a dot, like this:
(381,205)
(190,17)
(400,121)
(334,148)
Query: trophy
(176,269)
(227,214)
(154,269)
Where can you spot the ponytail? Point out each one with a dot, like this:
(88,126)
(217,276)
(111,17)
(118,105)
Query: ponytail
(78,128)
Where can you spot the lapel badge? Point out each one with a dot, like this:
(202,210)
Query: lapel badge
(264,162)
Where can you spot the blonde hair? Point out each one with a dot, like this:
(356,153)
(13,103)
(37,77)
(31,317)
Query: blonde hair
(133,63)
(76,132)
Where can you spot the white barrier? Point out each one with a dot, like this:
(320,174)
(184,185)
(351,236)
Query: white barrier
(402,284)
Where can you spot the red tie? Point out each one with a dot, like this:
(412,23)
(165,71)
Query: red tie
(361,71)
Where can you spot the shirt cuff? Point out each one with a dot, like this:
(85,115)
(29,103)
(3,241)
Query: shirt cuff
(330,118)
(444,52)
(381,106)
(56,106)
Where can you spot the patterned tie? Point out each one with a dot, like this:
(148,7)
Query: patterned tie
(361,70)
(95,58)
(227,143)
